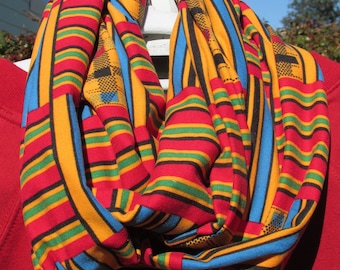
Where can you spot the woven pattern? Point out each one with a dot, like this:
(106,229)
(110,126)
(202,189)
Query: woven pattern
(225,169)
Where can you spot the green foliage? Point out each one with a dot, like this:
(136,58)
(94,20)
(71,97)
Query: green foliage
(16,48)
(314,25)
(318,11)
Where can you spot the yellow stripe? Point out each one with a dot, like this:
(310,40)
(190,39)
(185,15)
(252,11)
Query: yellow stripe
(36,161)
(184,193)
(66,156)
(69,57)
(72,79)
(104,256)
(42,213)
(272,187)
(60,245)
(45,63)
(33,129)
(125,157)
(80,12)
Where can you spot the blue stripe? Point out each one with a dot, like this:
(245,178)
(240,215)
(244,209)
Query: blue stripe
(144,214)
(86,262)
(240,60)
(119,7)
(263,171)
(31,99)
(183,235)
(168,225)
(86,113)
(59,266)
(247,254)
(77,144)
(178,60)
(125,68)
(293,211)
(320,74)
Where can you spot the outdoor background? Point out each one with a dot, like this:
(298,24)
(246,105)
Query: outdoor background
(22,16)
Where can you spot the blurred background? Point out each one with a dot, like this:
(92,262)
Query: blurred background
(20,16)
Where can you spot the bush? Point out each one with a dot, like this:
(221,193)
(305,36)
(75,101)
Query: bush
(324,38)
(16,48)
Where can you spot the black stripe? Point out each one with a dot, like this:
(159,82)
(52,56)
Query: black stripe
(191,138)
(36,156)
(189,108)
(198,168)
(286,58)
(307,184)
(314,104)
(55,228)
(306,136)
(181,199)
(197,58)
(286,192)
(39,121)
(42,192)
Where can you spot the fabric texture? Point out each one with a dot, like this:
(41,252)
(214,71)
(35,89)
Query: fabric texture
(319,244)
(224,169)
(14,242)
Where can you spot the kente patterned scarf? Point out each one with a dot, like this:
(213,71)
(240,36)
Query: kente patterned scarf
(223,169)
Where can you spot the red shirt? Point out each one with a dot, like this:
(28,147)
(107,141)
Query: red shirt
(319,247)
(14,243)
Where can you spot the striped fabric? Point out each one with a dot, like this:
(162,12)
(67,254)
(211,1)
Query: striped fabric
(223,169)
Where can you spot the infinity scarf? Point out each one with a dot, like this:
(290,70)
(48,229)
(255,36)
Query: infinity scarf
(223,169)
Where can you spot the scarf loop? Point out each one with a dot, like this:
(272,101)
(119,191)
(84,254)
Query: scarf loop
(225,168)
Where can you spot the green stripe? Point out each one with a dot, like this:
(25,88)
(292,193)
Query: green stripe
(316,177)
(131,38)
(90,12)
(118,127)
(253,58)
(44,203)
(58,240)
(222,188)
(188,189)
(71,32)
(36,132)
(107,172)
(318,121)
(306,158)
(69,54)
(37,167)
(161,260)
(97,139)
(317,96)
(266,76)
(194,130)
(221,95)
(123,163)
(67,79)
(186,155)
(239,161)
(193,101)
(146,152)
(124,200)
(249,29)
(142,63)
(238,200)
(290,182)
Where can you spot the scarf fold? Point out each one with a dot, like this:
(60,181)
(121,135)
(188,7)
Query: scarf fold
(225,168)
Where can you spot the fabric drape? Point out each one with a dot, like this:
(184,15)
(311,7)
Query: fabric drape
(225,168)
